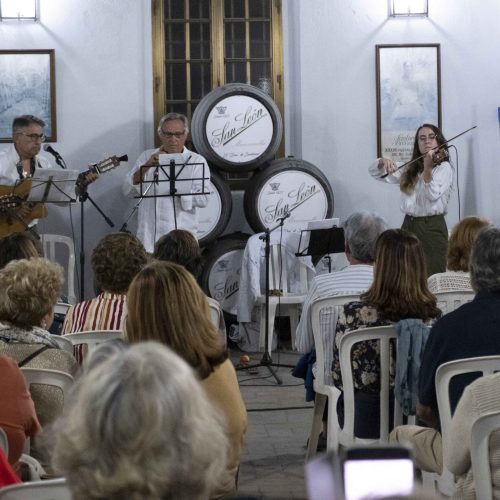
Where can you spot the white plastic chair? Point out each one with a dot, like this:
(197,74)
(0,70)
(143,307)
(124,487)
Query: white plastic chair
(4,442)
(64,381)
(52,489)
(345,436)
(449,301)
(61,308)
(482,429)
(93,338)
(44,376)
(63,343)
(484,365)
(51,243)
(324,350)
(289,303)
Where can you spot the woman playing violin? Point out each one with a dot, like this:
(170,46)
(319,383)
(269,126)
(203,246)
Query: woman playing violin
(425,186)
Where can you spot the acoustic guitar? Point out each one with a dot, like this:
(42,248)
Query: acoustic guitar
(12,197)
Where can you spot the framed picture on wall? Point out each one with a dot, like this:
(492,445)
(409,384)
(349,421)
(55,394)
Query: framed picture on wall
(408,95)
(27,87)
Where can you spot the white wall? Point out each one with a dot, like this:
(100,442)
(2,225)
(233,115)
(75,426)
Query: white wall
(337,115)
(104,98)
(105,104)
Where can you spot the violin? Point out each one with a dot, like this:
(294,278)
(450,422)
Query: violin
(440,156)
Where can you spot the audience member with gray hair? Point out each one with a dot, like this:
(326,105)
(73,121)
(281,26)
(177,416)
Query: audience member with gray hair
(140,427)
(361,230)
(469,331)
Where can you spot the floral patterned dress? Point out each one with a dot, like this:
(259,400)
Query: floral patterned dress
(365,355)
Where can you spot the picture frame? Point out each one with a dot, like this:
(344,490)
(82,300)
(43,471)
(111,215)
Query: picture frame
(27,87)
(408,79)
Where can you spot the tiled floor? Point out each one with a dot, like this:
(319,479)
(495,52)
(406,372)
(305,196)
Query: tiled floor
(279,420)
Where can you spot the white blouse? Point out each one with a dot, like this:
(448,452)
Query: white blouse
(426,198)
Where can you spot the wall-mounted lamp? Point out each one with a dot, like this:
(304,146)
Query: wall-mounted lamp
(408,8)
(19,10)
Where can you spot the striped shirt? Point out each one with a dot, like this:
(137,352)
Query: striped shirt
(352,280)
(105,312)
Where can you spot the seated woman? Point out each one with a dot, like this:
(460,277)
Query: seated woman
(182,248)
(29,289)
(116,259)
(18,246)
(399,291)
(165,304)
(457,275)
(140,426)
(17,411)
(25,246)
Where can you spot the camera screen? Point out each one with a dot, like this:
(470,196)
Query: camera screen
(363,478)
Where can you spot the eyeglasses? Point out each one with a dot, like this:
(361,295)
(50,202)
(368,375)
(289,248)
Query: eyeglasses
(177,135)
(423,138)
(34,137)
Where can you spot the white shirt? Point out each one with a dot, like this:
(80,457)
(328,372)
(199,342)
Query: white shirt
(253,275)
(156,216)
(9,159)
(353,280)
(9,174)
(426,198)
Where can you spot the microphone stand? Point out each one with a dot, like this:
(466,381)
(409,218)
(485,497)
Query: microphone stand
(266,359)
(83,196)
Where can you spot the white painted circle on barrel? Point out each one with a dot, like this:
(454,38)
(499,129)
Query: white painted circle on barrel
(220,276)
(289,188)
(224,280)
(295,191)
(239,129)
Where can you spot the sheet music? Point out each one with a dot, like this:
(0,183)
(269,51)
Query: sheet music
(49,185)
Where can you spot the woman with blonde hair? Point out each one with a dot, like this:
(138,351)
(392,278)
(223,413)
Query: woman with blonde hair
(165,304)
(140,427)
(457,276)
(399,291)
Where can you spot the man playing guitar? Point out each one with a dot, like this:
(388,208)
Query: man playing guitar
(20,161)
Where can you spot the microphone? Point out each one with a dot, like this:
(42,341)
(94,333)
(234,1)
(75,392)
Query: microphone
(55,154)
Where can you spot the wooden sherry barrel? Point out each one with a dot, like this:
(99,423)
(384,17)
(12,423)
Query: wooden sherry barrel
(237,127)
(286,186)
(213,218)
(221,270)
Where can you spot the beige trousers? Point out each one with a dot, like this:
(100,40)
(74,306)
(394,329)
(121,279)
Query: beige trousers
(426,444)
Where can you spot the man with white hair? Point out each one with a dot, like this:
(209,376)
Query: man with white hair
(361,230)
(159,214)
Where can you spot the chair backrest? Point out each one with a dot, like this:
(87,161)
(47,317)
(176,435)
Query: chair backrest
(324,341)
(61,308)
(384,335)
(52,489)
(63,343)
(482,429)
(4,442)
(64,381)
(93,338)
(445,373)
(449,301)
(61,249)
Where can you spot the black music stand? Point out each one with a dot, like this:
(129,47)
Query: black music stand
(172,177)
(323,242)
